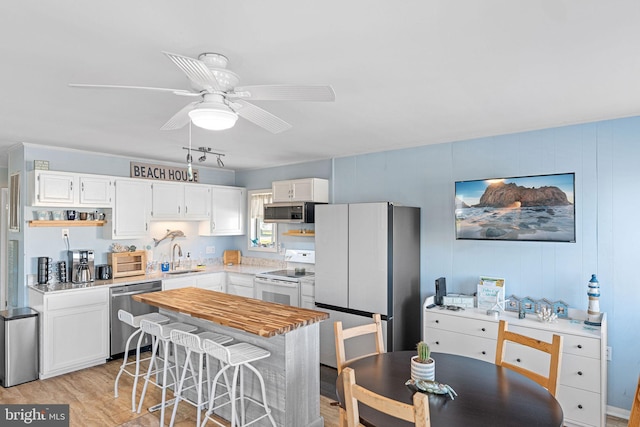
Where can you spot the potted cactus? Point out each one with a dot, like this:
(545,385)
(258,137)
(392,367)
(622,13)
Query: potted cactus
(423,367)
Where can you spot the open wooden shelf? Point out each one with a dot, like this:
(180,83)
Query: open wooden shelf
(307,233)
(66,223)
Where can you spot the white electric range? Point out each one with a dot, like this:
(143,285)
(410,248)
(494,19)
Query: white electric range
(283,286)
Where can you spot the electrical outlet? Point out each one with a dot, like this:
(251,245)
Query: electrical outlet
(65,232)
(211,250)
(609,353)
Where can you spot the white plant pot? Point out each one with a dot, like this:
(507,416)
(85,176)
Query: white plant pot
(423,371)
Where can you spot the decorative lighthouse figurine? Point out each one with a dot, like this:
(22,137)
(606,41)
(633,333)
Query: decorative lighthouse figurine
(593,312)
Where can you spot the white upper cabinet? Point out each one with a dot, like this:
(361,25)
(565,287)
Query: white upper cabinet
(96,190)
(228,206)
(129,217)
(178,201)
(197,201)
(301,190)
(68,189)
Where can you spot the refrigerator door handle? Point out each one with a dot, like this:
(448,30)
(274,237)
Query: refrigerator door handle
(320,305)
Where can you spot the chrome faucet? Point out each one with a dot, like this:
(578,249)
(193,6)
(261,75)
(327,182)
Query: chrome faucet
(175,264)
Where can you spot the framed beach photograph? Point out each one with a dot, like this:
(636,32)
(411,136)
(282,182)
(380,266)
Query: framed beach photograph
(529,208)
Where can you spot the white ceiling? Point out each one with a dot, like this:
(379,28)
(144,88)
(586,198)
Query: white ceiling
(405,73)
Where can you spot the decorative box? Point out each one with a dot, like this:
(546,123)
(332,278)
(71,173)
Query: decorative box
(459,300)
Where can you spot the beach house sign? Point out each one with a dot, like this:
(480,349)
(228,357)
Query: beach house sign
(161,172)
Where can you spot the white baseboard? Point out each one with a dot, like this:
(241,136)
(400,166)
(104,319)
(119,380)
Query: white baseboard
(618,412)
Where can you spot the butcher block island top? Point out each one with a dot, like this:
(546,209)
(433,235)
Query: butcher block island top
(261,318)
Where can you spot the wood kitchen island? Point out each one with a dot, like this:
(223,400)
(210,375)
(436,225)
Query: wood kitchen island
(291,334)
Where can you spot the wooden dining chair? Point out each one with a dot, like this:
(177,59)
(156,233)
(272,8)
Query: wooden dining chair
(634,418)
(554,349)
(342,335)
(418,413)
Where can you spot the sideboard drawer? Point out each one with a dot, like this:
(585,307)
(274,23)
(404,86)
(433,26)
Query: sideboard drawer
(580,372)
(579,405)
(581,346)
(465,345)
(478,328)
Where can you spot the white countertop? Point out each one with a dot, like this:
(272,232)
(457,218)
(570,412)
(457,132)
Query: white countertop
(69,287)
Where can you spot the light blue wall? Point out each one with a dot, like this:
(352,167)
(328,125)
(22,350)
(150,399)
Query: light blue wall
(605,158)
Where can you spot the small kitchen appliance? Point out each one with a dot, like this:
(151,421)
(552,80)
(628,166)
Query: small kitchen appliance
(81,262)
(103,272)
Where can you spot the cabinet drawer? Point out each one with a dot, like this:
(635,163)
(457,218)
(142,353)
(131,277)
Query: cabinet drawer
(461,344)
(579,405)
(479,328)
(572,344)
(77,299)
(580,372)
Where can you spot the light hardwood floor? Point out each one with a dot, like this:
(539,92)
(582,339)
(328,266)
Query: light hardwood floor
(89,393)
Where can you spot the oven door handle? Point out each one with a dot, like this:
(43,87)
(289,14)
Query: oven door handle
(281,283)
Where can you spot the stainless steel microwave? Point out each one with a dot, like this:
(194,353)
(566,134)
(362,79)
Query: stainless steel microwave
(293,212)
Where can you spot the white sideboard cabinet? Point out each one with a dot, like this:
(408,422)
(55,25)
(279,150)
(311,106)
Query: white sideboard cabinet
(582,392)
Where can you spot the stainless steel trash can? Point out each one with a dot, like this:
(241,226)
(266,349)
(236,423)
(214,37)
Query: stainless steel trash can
(18,346)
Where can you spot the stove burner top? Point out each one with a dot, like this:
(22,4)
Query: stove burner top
(289,273)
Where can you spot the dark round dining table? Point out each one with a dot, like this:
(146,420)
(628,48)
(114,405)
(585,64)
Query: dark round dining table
(488,395)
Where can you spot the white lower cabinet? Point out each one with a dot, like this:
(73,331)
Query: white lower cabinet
(74,330)
(211,281)
(307,294)
(240,284)
(582,392)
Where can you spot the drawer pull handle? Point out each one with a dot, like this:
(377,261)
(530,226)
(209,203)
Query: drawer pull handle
(437,321)
(437,342)
(483,329)
(579,345)
(518,360)
(484,352)
(579,406)
(579,372)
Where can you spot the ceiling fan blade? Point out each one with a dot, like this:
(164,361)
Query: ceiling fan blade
(196,71)
(156,89)
(260,117)
(181,118)
(286,93)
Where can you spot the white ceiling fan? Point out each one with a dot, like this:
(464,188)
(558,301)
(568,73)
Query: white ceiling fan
(221,101)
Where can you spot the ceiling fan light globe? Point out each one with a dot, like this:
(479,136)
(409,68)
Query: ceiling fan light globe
(213,118)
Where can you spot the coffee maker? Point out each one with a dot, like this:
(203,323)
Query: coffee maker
(81,265)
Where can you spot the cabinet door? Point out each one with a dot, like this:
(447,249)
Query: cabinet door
(281,191)
(95,191)
(302,190)
(227,212)
(166,200)
(197,202)
(55,189)
(213,282)
(130,213)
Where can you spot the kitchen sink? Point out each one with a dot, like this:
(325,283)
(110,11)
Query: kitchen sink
(183,271)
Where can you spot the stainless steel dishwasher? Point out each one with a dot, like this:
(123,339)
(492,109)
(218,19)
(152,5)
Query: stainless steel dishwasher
(121,300)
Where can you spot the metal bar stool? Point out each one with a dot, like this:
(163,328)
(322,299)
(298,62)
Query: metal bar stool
(192,343)
(161,334)
(134,322)
(237,356)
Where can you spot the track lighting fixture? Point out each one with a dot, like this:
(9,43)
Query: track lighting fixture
(204,151)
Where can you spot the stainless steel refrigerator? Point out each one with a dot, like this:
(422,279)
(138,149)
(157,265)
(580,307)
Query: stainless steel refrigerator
(368,261)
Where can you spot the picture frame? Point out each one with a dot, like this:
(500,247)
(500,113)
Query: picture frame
(528,208)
